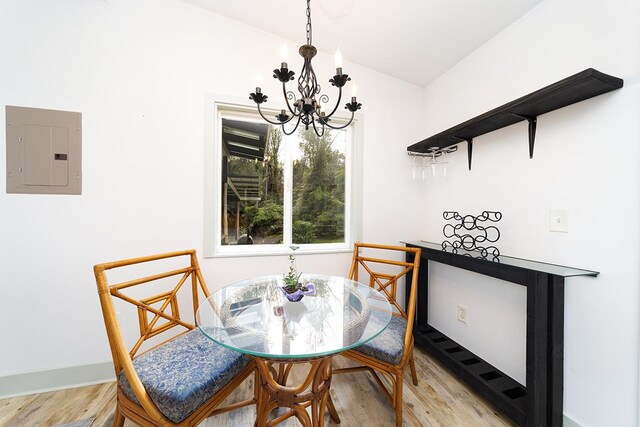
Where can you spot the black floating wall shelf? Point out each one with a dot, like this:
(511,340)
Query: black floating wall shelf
(584,85)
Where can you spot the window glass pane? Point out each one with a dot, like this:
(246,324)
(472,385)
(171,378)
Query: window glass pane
(252,183)
(319,187)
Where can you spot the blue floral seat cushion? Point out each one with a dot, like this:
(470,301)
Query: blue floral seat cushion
(182,374)
(389,345)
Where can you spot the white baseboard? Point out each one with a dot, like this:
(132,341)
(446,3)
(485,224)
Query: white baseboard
(55,379)
(568,422)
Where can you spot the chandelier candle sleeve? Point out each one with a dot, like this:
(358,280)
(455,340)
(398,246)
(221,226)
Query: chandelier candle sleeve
(305,105)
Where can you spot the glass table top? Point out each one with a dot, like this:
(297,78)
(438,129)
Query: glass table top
(558,270)
(254,317)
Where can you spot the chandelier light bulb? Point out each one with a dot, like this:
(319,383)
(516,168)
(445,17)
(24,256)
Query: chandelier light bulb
(354,91)
(338,58)
(284,55)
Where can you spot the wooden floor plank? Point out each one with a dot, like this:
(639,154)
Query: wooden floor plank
(10,408)
(440,399)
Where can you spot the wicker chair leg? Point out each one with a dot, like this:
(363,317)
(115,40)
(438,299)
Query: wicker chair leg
(118,418)
(397,398)
(412,366)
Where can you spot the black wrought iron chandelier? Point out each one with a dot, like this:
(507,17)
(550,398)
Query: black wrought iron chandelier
(306,109)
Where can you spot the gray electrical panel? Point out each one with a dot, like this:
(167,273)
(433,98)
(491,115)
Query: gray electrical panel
(44,151)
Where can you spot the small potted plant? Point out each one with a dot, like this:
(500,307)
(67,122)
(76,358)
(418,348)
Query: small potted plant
(293,289)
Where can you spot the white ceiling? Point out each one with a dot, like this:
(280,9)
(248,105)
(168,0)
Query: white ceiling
(413,40)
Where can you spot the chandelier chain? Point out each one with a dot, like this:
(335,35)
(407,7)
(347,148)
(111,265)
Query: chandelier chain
(309,34)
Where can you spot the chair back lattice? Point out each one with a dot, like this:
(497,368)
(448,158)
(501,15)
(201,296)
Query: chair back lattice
(157,313)
(384,273)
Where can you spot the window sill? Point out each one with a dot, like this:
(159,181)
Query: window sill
(279,252)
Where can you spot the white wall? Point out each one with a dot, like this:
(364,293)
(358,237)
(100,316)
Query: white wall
(138,70)
(586,160)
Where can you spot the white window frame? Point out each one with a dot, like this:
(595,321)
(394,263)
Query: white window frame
(216,106)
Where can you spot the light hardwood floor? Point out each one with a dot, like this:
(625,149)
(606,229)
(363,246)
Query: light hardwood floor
(439,400)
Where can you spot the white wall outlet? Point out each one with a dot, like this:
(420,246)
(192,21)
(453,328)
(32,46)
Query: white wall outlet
(559,220)
(462,313)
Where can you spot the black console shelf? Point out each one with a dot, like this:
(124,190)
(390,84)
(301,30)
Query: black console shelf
(539,403)
(584,85)
(508,395)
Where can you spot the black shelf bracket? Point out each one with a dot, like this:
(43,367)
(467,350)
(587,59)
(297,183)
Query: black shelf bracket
(583,85)
(533,121)
(469,148)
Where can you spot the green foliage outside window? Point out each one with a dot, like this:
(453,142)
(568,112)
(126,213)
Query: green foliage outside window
(318,191)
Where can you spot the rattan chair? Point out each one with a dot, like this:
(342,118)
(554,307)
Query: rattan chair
(181,380)
(391,351)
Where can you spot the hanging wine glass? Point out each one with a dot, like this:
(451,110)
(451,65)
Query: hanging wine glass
(433,162)
(414,166)
(424,167)
(444,164)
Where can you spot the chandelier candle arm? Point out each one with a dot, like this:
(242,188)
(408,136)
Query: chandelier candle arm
(307,108)
(315,129)
(292,130)
(279,122)
(336,127)
(287,96)
(336,106)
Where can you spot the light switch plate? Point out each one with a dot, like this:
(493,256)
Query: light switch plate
(559,220)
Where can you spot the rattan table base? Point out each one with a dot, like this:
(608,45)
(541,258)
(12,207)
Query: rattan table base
(313,392)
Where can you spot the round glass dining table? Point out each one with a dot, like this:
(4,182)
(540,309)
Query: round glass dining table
(255,317)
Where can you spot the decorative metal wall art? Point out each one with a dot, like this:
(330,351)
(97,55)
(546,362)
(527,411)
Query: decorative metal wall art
(469,234)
